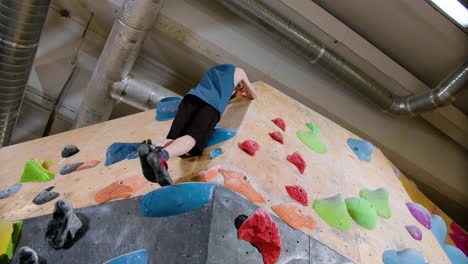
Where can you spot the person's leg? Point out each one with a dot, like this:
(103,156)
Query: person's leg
(180,146)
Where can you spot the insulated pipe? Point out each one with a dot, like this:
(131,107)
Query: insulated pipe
(315,52)
(21,24)
(135,19)
(140,94)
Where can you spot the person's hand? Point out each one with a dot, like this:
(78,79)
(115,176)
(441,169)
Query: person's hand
(243,85)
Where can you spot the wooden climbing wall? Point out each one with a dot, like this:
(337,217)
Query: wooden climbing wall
(338,171)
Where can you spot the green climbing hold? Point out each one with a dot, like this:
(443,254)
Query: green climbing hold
(333,211)
(34,172)
(380,199)
(362,211)
(311,138)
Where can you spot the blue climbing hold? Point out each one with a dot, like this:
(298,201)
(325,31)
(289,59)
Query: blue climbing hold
(219,135)
(121,151)
(176,199)
(215,153)
(438,229)
(455,255)
(135,257)
(363,149)
(406,256)
(166,108)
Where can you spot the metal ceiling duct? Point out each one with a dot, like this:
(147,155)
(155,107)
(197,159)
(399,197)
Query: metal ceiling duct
(122,47)
(315,52)
(21,24)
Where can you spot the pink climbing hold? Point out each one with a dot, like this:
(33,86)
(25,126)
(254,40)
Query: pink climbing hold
(260,230)
(459,237)
(277,136)
(414,231)
(280,123)
(298,193)
(250,147)
(297,160)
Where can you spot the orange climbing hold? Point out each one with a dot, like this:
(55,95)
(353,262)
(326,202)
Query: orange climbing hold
(238,182)
(280,123)
(88,165)
(120,189)
(205,175)
(277,136)
(297,160)
(292,215)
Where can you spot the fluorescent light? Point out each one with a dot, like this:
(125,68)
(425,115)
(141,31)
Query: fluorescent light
(454,10)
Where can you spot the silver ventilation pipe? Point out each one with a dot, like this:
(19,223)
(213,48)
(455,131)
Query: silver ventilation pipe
(135,19)
(140,94)
(21,24)
(315,52)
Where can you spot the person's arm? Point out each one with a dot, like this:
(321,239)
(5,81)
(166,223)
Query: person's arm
(242,84)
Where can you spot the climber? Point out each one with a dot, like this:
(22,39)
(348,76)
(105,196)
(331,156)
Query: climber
(198,114)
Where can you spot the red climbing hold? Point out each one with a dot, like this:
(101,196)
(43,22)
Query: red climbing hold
(250,147)
(297,160)
(260,230)
(280,123)
(298,193)
(277,136)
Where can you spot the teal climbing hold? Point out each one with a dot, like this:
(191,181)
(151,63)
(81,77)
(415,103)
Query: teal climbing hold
(135,257)
(34,172)
(117,152)
(363,149)
(176,199)
(380,199)
(333,211)
(455,255)
(439,230)
(362,211)
(166,108)
(311,138)
(219,135)
(406,256)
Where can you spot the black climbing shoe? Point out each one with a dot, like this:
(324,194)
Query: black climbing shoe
(143,150)
(159,167)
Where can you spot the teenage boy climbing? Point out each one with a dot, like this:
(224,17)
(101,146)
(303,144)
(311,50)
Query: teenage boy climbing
(198,114)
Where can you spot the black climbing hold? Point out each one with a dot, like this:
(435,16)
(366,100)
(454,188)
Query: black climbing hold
(69,168)
(45,196)
(27,255)
(240,220)
(69,151)
(65,227)
(5,193)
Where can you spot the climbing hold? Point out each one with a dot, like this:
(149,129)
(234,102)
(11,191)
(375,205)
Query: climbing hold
(27,255)
(120,189)
(64,227)
(277,136)
(459,237)
(69,151)
(292,215)
(205,175)
(250,147)
(420,213)
(9,191)
(47,164)
(9,235)
(298,193)
(311,138)
(380,199)
(333,211)
(176,199)
(406,256)
(455,255)
(238,182)
(135,257)
(362,211)
(414,231)
(438,229)
(260,230)
(363,149)
(88,165)
(45,196)
(215,153)
(298,161)
(220,135)
(397,173)
(34,172)
(121,151)
(166,108)
(69,168)
(280,123)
